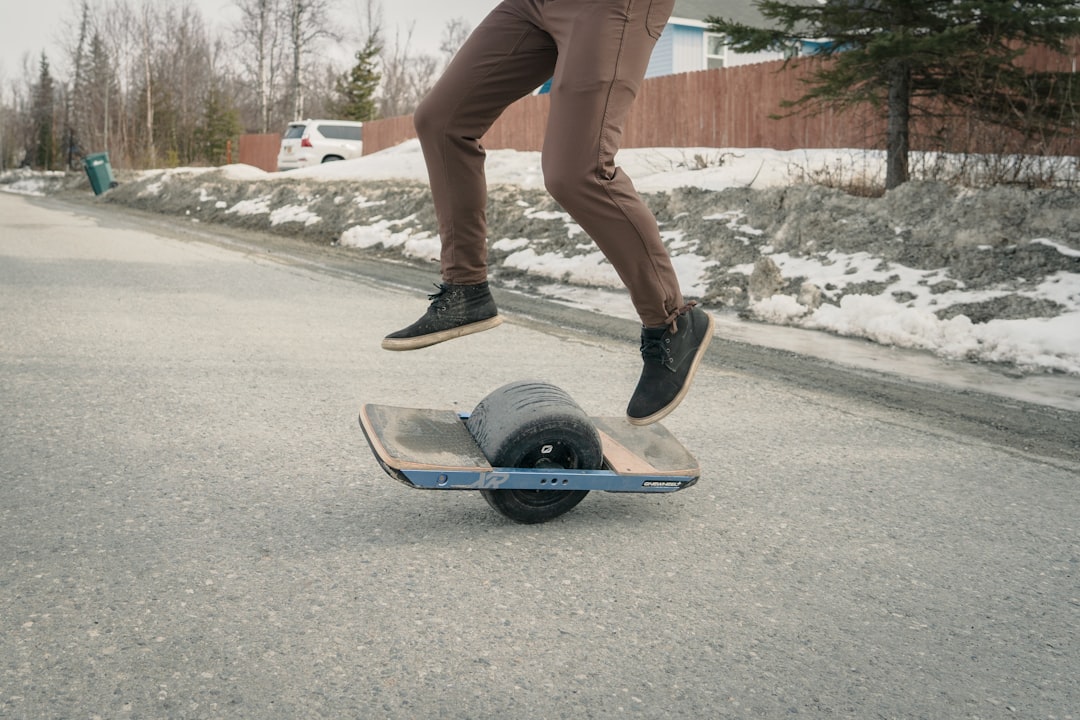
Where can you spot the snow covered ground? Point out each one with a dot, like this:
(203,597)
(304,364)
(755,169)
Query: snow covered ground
(855,290)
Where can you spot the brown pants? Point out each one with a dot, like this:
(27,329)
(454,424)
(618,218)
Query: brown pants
(597,51)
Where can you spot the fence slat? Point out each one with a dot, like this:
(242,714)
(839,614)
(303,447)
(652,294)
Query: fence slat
(260,151)
(731,107)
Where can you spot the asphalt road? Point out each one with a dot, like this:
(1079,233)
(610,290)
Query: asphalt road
(191,525)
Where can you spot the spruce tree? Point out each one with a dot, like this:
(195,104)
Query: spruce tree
(44,117)
(219,124)
(356,88)
(914,57)
(103,92)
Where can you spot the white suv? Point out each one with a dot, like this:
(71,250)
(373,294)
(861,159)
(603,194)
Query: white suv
(310,142)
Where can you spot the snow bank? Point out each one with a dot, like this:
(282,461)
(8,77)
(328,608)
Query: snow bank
(988,276)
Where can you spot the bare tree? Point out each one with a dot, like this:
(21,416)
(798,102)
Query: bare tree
(369,23)
(151,83)
(102,93)
(309,21)
(17,128)
(146,30)
(454,35)
(184,76)
(117,24)
(7,121)
(261,31)
(406,77)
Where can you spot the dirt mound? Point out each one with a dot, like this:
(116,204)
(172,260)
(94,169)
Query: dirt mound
(975,239)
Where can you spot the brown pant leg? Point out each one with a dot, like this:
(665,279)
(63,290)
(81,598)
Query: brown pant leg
(506,57)
(604,48)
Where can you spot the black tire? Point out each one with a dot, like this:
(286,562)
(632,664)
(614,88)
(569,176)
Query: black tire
(533,424)
(332,158)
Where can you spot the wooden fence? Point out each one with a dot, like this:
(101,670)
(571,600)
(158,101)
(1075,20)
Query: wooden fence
(260,151)
(731,107)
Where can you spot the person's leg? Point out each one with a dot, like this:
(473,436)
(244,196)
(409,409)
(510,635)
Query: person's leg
(604,49)
(505,58)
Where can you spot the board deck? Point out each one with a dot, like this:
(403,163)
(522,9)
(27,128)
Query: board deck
(646,450)
(421,439)
(427,439)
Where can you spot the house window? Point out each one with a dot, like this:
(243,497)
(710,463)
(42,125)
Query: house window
(715,51)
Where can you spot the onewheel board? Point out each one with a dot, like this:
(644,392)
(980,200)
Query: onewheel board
(528,448)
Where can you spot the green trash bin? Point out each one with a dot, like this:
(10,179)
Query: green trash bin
(99,171)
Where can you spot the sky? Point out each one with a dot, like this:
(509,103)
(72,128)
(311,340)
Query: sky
(27,27)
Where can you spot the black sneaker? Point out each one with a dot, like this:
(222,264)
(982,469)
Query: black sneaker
(672,355)
(455,310)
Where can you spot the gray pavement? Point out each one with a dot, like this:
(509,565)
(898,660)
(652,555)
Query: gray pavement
(191,525)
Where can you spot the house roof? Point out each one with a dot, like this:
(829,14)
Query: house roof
(741,11)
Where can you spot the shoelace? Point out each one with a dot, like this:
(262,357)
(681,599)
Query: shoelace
(653,349)
(435,296)
(656,349)
(673,317)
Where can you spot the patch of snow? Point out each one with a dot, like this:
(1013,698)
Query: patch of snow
(293,213)
(257,206)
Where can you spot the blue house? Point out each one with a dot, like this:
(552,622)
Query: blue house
(687,45)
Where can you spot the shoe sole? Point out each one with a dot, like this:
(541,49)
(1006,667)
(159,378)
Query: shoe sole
(670,407)
(422,341)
